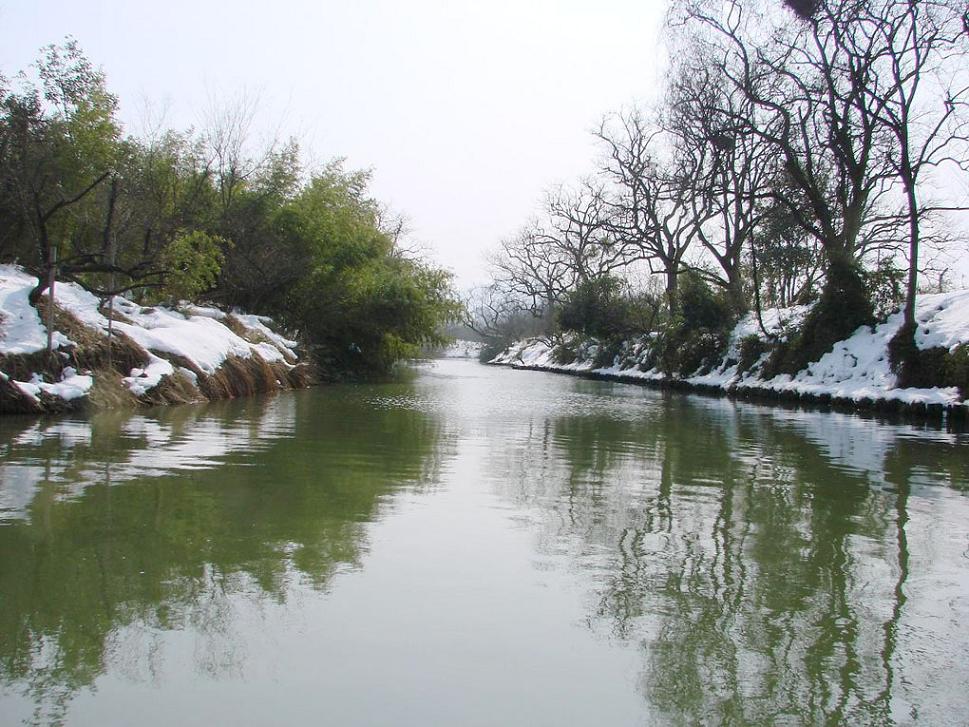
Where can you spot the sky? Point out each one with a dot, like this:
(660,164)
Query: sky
(466,111)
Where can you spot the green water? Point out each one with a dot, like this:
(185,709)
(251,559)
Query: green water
(479,546)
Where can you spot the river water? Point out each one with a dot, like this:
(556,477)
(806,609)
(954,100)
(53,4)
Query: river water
(479,546)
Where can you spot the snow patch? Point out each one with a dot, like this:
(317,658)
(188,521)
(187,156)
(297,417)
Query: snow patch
(855,369)
(195,333)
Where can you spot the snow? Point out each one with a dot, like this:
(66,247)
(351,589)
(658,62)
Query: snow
(195,333)
(461,348)
(21,330)
(71,386)
(856,369)
(258,323)
(141,381)
(943,320)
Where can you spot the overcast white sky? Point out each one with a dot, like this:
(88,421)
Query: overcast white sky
(465,110)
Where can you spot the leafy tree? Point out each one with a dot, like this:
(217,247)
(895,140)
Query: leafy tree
(59,141)
(192,261)
(600,308)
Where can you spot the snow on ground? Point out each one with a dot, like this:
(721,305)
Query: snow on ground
(21,330)
(71,386)
(856,369)
(201,339)
(197,334)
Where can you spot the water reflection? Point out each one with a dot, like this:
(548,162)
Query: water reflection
(235,499)
(763,559)
(762,566)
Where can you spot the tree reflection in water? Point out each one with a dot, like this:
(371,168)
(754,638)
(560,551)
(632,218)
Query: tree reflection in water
(768,566)
(224,506)
(760,557)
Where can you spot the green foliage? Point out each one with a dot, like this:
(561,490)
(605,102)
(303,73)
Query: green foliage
(685,351)
(957,369)
(885,286)
(697,334)
(362,305)
(192,262)
(844,305)
(752,347)
(604,309)
(596,308)
(606,354)
(699,307)
(565,353)
(60,143)
(155,216)
(930,367)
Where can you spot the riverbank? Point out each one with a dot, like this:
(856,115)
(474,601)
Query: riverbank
(132,355)
(854,375)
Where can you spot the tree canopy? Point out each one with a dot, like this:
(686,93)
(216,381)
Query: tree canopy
(204,214)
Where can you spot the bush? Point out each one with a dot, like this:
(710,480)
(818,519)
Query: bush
(930,367)
(700,307)
(687,352)
(885,284)
(192,262)
(606,354)
(957,369)
(752,347)
(697,335)
(597,308)
(843,307)
(565,353)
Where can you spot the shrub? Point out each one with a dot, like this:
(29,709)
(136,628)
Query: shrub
(564,353)
(697,334)
(597,308)
(843,307)
(752,347)
(885,284)
(699,306)
(957,369)
(679,350)
(192,262)
(930,367)
(606,354)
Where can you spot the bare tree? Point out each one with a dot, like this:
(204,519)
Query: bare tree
(581,231)
(804,85)
(525,267)
(734,166)
(575,243)
(918,91)
(658,209)
(501,318)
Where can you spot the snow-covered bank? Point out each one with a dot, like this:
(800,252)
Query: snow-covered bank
(856,372)
(154,355)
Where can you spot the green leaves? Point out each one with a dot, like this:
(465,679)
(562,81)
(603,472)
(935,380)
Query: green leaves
(192,262)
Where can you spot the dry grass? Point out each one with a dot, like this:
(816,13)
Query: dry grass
(253,335)
(109,391)
(112,360)
(240,329)
(302,375)
(175,389)
(92,349)
(114,314)
(14,401)
(239,377)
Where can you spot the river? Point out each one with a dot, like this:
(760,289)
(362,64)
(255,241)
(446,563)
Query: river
(472,545)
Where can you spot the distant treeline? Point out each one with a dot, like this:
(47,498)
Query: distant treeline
(796,156)
(201,214)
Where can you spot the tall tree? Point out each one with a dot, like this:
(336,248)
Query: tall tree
(658,209)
